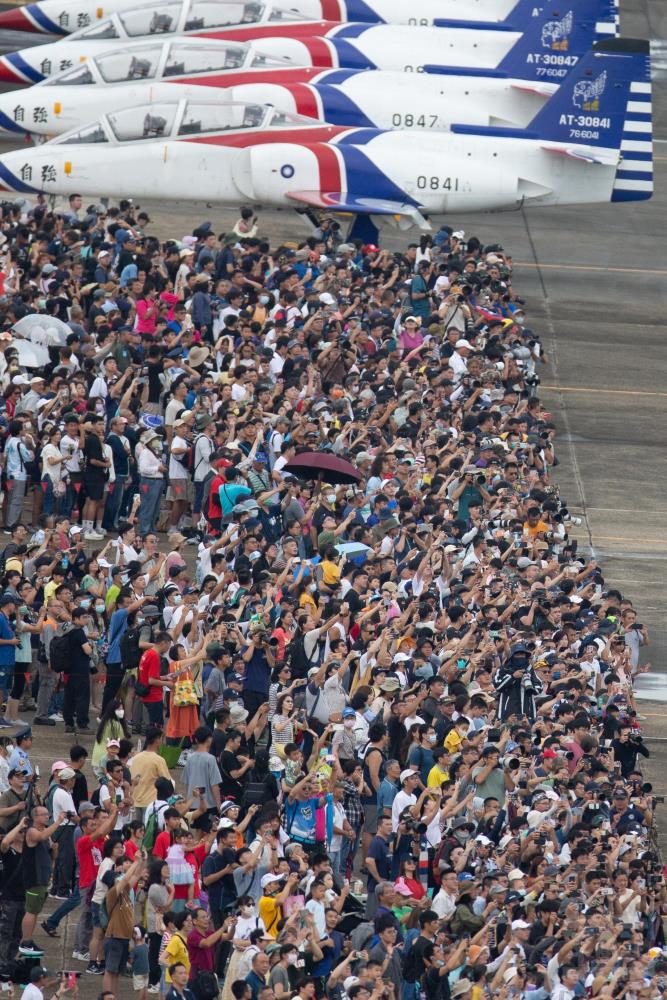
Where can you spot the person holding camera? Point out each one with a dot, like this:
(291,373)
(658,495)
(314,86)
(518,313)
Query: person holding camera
(63,806)
(627,748)
(517,685)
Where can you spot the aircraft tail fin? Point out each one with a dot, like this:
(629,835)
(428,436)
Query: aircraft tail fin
(605,104)
(555,36)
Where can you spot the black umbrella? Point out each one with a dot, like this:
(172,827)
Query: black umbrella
(323,466)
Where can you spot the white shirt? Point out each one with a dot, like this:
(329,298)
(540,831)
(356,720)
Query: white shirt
(54,472)
(149,464)
(174,407)
(70,446)
(62,803)
(204,448)
(119,795)
(177,467)
(32,992)
(444,904)
(99,389)
(401,802)
(458,365)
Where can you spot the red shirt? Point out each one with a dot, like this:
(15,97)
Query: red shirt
(89,853)
(130,849)
(195,859)
(149,666)
(161,845)
(201,959)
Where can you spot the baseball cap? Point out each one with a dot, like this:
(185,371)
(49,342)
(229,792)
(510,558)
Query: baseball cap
(269,878)
(408,773)
(520,925)
(67,773)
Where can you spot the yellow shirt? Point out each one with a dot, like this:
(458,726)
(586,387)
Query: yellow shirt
(452,741)
(436,776)
(177,952)
(330,573)
(146,767)
(271,913)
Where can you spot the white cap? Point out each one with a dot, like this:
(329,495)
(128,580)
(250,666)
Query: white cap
(350,981)
(515,873)
(269,878)
(520,925)
(464,343)
(408,773)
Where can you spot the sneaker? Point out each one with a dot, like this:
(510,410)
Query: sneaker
(81,956)
(17,722)
(4,724)
(41,721)
(93,536)
(57,895)
(56,717)
(153,989)
(93,969)
(29,948)
(99,968)
(46,927)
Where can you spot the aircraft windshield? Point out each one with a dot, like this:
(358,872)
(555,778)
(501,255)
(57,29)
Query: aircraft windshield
(218,15)
(185,59)
(152,20)
(200,118)
(90,133)
(140,64)
(153,121)
(74,77)
(101,31)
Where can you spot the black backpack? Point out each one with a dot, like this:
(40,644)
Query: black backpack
(130,653)
(298,660)
(59,653)
(204,986)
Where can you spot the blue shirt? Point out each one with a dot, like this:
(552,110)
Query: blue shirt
(7,653)
(117,629)
(386,794)
(230,495)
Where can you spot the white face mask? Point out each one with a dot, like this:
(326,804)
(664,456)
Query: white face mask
(292,958)
(120,713)
(246,911)
(178,599)
(348,723)
(331,498)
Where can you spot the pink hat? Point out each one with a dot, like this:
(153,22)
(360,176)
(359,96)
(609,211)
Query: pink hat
(59,765)
(401,888)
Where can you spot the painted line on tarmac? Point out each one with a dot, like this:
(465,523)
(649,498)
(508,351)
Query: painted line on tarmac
(629,510)
(611,392)
(590,267)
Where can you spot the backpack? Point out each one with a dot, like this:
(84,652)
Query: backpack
(362,936)
(151,830)
(59,653)
(130,653)
(204,986)
(299,662)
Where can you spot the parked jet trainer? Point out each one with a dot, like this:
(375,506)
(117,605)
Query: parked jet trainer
(142,71)
(60,17)
(555,37)
(591,142)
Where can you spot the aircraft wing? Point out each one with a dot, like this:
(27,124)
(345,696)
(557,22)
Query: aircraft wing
(586,154)
(343,201)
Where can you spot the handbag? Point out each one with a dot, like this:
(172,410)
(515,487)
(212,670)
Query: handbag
(184,692)
(170,753)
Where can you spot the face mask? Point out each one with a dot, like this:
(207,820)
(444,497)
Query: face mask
(292,959)
(139,620)
(348,723)
(99,608)
(178,599)
(519,320)
(9,748)
(120,713)
(331,498)
(263,299)
(246,911)
(312,587)
(432,738)
(85,603)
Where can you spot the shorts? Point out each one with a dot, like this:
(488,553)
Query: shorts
(116,951)
(6,678)
(35,897)
(140,982)
(95,914)
(94,487)
(370,819)
(181,489)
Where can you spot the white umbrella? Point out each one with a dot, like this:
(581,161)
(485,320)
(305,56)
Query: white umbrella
(45,330)
(353,548)
(31,355)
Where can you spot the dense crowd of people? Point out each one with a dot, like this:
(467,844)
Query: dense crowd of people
(351,716)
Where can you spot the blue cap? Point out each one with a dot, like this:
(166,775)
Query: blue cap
(465,877)
(349,713)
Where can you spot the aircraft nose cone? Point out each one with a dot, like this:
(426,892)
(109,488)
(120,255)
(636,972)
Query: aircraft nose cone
(15,20)
(7,72)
